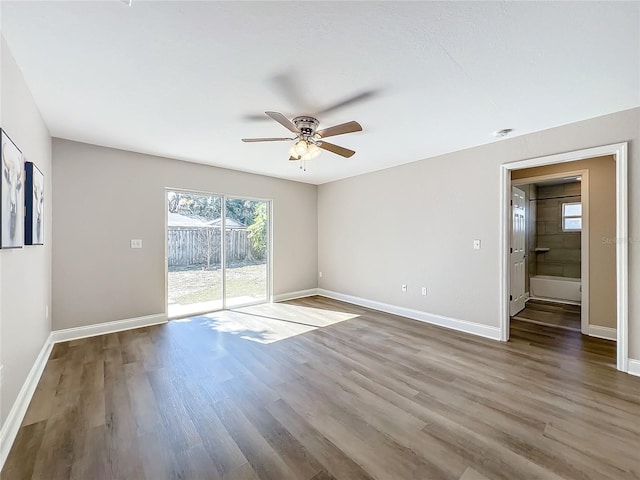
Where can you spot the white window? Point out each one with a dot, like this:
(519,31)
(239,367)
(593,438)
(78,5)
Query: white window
(572,217)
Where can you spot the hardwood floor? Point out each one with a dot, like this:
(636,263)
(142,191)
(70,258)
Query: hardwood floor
(262,393)
(552,314)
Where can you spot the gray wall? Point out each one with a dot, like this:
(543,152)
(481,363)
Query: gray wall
(416,223)
(25,273)
(105,197)
(563,260)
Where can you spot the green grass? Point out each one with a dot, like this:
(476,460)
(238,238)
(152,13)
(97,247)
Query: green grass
(235,288)
(196,286)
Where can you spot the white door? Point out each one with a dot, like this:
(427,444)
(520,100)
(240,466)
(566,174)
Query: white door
(518,233)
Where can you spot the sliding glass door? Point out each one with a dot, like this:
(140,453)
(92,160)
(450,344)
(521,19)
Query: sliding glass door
(246,259)
(206,269)
(194,253)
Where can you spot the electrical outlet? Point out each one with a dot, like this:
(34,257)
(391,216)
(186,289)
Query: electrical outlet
(320,274)
(404,287)
(136,243)
(424,291)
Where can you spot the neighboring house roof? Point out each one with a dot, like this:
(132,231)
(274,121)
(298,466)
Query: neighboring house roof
(229,223)
(177,220)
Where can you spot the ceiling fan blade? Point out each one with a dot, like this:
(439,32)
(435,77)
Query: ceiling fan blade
(294,158)
(345,152)
(255,117)
(269,139)
(348,101)
(341,129)
(284,121)
(290,87)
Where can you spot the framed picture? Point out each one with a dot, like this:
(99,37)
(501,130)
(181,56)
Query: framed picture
(12,194)
(34,204)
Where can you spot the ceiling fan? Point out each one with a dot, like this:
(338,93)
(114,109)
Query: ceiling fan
(309,140)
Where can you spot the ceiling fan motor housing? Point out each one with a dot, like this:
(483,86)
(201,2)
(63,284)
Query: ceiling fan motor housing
(306,125)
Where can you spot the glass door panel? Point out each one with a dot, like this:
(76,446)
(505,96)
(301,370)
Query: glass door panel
(246,251)
(194,253)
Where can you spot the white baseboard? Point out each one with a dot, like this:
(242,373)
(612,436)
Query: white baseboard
(440,320)
(634,367)
(16,415)
(603,332)
(108,327)
(282,297)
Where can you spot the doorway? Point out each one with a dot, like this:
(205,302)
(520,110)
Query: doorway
(554,277)
(619,243)
(217,252)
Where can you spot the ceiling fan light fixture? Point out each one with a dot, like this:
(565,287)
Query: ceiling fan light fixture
(301,147)
(308,141)
(293,153)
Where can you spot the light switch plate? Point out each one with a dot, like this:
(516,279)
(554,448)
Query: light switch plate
(136,243)
(476,244)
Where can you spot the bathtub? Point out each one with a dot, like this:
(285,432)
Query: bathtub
(557,289)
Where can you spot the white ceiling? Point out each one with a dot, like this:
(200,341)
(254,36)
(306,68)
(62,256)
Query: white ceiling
(178,79)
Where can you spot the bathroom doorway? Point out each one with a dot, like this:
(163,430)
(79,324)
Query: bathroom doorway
(554,247)
(606,291)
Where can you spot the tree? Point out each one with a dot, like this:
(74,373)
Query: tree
(204,206)
(242,211)
(258,231)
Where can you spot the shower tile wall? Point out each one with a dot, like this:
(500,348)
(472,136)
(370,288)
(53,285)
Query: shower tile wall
(530,192)
(563,258)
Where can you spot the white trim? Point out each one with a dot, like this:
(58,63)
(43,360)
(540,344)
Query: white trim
(440,320)
(585,252)
(634,367)
(166,250)
(16,415)
(619,151)
(505,258)
(283,297)
(622,257)
(607,333)
(107,327)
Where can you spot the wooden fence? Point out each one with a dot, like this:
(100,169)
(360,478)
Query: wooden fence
(200,246)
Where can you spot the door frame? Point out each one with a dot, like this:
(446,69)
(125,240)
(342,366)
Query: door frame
(223,211)
(620,153)
(584,235)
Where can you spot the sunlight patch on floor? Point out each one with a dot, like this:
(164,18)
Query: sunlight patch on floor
(269,322)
